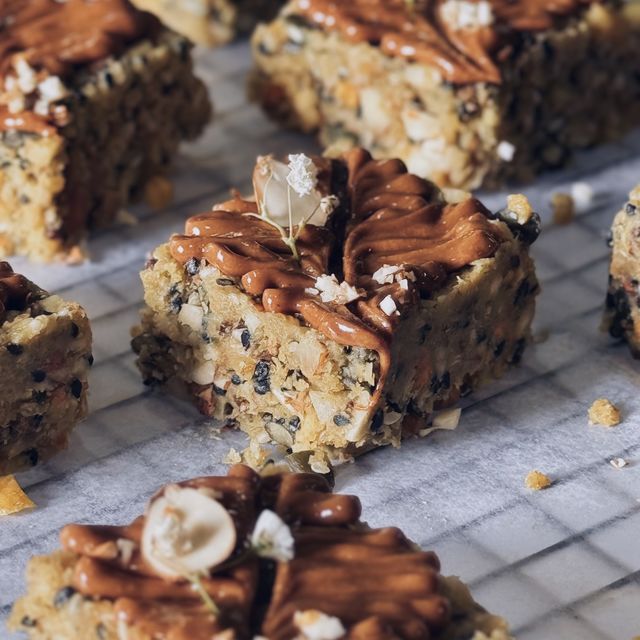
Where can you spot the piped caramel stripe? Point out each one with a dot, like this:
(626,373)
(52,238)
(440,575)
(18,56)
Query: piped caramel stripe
(419,31)
(14,290)
(59,38)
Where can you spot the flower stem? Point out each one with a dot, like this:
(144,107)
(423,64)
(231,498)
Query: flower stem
(202,592)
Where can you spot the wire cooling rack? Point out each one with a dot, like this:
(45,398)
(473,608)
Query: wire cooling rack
(559,564)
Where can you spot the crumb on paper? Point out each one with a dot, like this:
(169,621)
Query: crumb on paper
(604,412)
(158,192)
(563,208)
(12,498)
(232,457)
(537,480)
(618,463)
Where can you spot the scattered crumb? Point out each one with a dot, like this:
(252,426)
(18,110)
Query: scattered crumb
(126,218)
(537,480)
(582,194)
(618,463)
(77,255)
(158,192)
(563,208)
(604,412)
(506,151)
(520,207)
(232,457)
(12,498)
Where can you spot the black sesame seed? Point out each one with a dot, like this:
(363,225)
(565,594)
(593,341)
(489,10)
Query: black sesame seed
(38,375)
(630,209)
(76,388)
(434,387)
(27,621)
(261,378)
(75,330)
(445,381)
(376,422)
(499,348)
(341,420)
(32,456)
(235,379)
(294,423)
(39,396)
(225,282)
(245,338)
(219,391)
(518,351)
(35,421)
(63,596)
(15,349)
(90,359)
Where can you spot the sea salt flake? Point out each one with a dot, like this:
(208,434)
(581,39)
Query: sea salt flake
(388,305)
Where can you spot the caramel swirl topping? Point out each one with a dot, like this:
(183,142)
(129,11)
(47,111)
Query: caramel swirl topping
(53,38)
(14,290)
(374,581)
(387,216)
(460,38)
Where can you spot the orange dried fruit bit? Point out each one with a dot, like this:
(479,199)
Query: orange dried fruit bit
(12,498)
(537,480)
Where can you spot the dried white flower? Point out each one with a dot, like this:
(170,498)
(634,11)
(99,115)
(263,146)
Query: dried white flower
(316,625)
(582,194)
(328,205)
(506,151)
(303,174)
(271,537)
(388,305)
(461,14)
(333,291)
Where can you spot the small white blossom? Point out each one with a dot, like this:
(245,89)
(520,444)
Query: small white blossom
(506,151)
(316,625)
(333,291)
(582,194)
(303,174)
(271,537)
(388,305)
(328,204)
(461,14)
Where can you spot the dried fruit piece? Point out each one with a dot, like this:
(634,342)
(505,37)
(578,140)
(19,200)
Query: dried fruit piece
(12,498)
(537,480)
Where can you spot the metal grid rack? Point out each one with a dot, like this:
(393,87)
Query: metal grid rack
(563,563)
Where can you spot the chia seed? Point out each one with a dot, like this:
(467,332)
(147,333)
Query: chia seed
(341,420)
(15,349)
(245,338)
(76,388)
(38,375)
(235,379)
(261,378)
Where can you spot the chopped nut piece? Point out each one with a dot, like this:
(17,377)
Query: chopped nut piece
(158,192)
(618,463)
(12,498)
(563,208)
(537,480)
(604,412)
(520,207)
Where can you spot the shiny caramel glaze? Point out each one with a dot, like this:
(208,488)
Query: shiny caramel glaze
(419,32)
(375,581)
(59,38)
(14,290)
(387,216)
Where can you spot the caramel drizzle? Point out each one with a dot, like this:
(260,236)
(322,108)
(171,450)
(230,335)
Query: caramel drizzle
(375,581)
(392,217)
(14,290)
(57,38)
(461,55)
